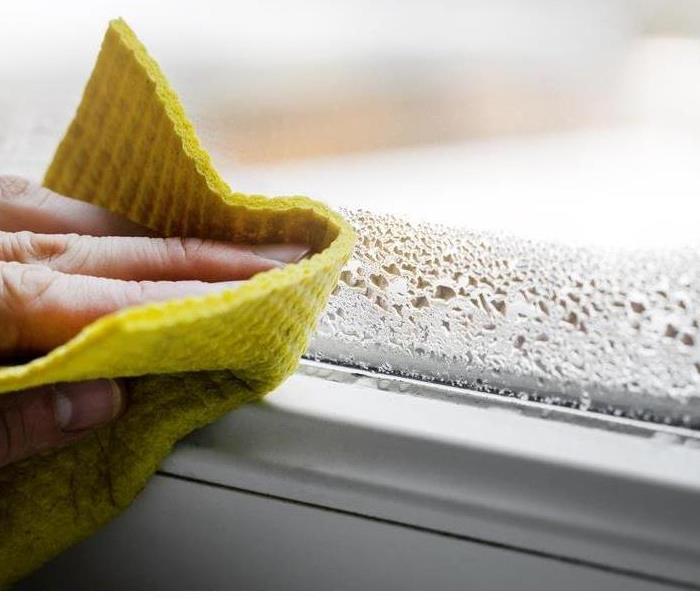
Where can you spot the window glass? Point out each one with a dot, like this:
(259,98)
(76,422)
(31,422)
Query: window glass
(522,176)
(614,331)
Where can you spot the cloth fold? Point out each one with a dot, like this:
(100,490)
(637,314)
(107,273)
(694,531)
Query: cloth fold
(131,149)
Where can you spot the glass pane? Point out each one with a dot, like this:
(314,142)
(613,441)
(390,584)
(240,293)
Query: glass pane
(615,331)
(523,176)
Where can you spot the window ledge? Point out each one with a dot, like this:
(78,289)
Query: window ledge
(479,469)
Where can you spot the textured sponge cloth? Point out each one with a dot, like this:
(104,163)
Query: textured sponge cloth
(131,149)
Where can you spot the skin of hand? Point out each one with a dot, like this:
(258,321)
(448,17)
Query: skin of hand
(65,263)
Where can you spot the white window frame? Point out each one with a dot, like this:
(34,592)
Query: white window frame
(602,491)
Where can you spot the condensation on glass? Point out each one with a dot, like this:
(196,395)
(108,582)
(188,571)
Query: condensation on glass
(603,330)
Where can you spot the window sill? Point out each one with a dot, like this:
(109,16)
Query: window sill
(623,501)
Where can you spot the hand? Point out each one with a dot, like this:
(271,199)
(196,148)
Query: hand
(65,263)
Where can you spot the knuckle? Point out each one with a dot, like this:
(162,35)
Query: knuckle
(22,285)
(46,248)
(28,247)
(21,288)
(15,193)
(13,186)
(15,247)
(183,249)
(74,256)
(132,292)
(9,322)
(15,190)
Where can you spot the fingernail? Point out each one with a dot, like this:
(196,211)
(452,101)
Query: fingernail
(284,253)
(86,405)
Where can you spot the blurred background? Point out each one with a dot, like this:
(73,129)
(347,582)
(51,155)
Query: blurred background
(576,121)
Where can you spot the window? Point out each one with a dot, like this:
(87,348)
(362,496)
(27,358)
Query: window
(609,331)
(523,178)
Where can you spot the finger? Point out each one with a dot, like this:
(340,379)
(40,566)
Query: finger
(41,309)
(141,258)
(26,206)
(35,420)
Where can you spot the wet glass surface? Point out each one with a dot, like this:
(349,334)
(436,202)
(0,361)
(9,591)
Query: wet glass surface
(615,331)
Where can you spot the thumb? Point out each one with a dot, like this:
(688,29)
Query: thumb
(52,416)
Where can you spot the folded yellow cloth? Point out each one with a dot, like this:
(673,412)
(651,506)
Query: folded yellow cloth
(131,149)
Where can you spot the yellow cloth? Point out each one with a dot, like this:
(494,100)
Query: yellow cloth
(131,149)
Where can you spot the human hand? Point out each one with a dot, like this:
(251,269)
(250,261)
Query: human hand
(65,263)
